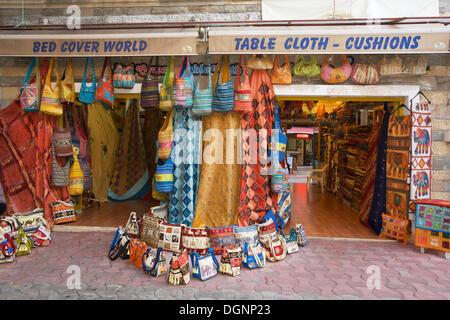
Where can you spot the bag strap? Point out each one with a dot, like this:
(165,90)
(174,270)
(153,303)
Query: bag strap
(30,68)
(287,62)
(181,67)
(214,259)
(277,117)
(103,68)
(258,261)
(194,258)
(275,62)
(168,71)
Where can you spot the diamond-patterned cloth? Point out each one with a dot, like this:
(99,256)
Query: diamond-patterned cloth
(256,197)
(187,150)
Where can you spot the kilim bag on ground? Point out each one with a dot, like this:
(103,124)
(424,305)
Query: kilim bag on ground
(132,228)
(76,177)
(194,240)
(165,137)
(271,216)
(60,175)
(281,74)
(124,77)
(306,68)
(169,237)
(10,225)
(7,248)
(365,73)
(63,211)
(203,98)
(230,261)
(30,220)
(179,272)
(87,94)
(301,235)
(154,262)
(166,92)
(267,230)
(395,228)
(150,230)
(41,237)
(253,257)
(23,244)
(51,96)
(117,235)
(221,237)
(246,235)
(277,249)
(160,212)
(204,267)
(121,248)
(242,91)
(184,85)
(68,83)
(150,89)
(105,89)
(331,74)
(29,92)
(291,241)
(137,251)
(62,139)
(223,96)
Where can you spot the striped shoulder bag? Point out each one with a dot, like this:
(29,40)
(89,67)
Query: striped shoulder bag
(164,175)
(165,137)
(149,89)
(203,98)
(223,98)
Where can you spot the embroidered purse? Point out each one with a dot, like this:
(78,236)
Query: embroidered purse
(67,83)
(179,269)
(184,85)
(364,73)
(281,74)
(230,261)
(267,230)
(202,105)
(301,235)
(8,249)
(340,74)
(51,97)
(137,251)
(63,212)
(124,77)
(165,137)
(29,92)
(23,244)
(242,91)
(150,89)
(221,237)
(169,237)
(277,249)
(306,68)
(10,225)
(76,177)
(291,241)
(204,267)
(253,257)
(166,92)
(223,96)
(41,237)
(62,139)
(87,94)
(271,216)
(194,240)
(105,89)
(30,220)
(132,228)
(154,262)
(150,230)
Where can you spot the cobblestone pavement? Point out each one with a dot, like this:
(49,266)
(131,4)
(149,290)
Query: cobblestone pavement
(325,269)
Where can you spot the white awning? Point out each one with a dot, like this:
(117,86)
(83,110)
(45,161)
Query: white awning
(82,43)
(373,38)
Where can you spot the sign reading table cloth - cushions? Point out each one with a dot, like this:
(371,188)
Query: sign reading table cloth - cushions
(169,237)
(221,237)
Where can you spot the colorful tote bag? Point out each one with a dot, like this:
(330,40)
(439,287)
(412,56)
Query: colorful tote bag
(230,261)
(165,137)
(7,249)
(415,65)
(150,89)
(62,138)
(305,68)
(220,238)
(68,83)
(154,262)
(105,88)
(253,257)
(204,267)
(132,226)
(30,220)
(202,105)
(339,74)
(150,230)
(267,231)
(166,93)
(195,240)
(137,251)
(76,178)
(223,97)
(281,74)
(242,91)
(41,237)
(51,97)
(245,235)
(29,93)
(169,237)
(164,175)
(60,174)
(87,94)
(63,211)
(365,73)
(124,77)
(179,272)
(184,85)
(277,249)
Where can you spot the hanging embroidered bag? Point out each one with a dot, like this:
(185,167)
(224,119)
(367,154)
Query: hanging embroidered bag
(41,237)
(68,83)
(62,139)
(223,97)
(284,208)
(7,248)
(63,211)
(260,62)
(230,261)
(184,85)
(330,74)
(204,267)
(306,68)
(390,66)
(165,137)
(124,77)
(29,92)
(364,73)
(87,94)
(195,240)
(60,175)
(415,65)
(281,74)
(105,89)
(51,97)
(154,262)
(242,91)
(166,93)
(150,89)
(164,175)
(202,105)
(76,178)
(253,257)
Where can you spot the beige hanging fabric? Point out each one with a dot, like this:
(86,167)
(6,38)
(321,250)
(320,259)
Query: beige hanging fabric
(104,138)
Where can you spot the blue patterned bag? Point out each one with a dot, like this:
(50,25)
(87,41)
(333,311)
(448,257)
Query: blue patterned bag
(204,267)
(164,175)
(223,98)
(184,85)
(254,257)
(87,94)
(284,208)
(203,98)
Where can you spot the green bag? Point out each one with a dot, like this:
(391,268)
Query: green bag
(24,244)
(306,68)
